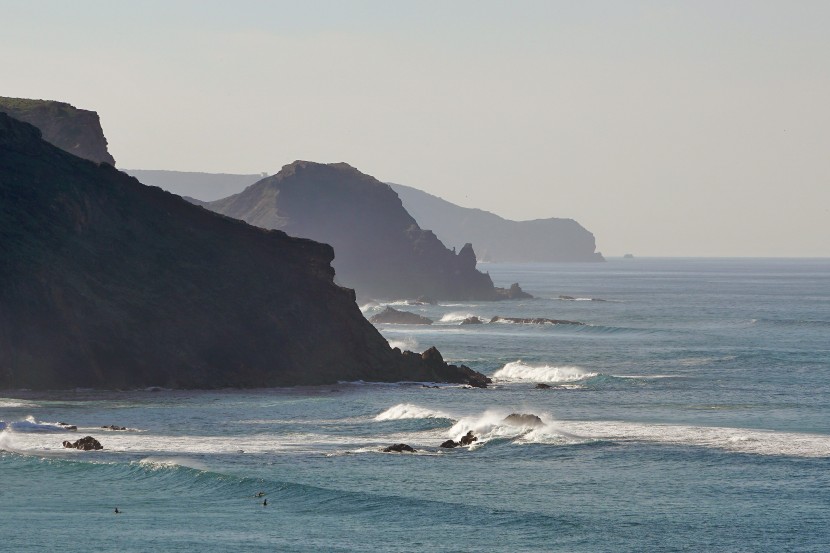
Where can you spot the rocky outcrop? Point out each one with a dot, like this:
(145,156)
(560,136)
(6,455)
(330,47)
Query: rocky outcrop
(467,439)
(74,130)
(399,448)
(380,249)
(499,239)
(87,443)
(107,283)
(515,292)
(393,316)
(472,321)
(535,321)
(523,420)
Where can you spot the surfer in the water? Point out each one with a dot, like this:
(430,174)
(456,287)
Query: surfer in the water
(265,503)
(117,512)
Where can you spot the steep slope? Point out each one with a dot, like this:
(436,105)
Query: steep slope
(105,282)
(206,187)
(77,131)
(380,249)
(499,239)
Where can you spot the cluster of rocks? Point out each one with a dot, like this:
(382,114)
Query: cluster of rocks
(114,427)
(87,443)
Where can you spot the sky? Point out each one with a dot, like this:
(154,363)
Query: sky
(697,128)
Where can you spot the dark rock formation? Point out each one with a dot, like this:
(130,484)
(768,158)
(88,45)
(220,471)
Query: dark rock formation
(87,443)
(467,439)
(499,239)
(535,321)
(472,321)
(393,316)
(515,292)
(380,249)
(449,444)
(543,386)
(107,283)
(399,448)
(67,426)
(523,419)
(74,130)
(114,427)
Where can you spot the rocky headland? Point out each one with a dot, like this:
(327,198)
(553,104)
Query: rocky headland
(499,239)
(380,250)
(77,131)
(108,283)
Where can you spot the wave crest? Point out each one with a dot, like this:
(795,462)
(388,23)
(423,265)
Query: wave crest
(519,371)
(410,411)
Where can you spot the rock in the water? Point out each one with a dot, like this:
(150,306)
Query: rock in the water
(449,444)
(523,419)
(400,448)
(393,316)
(515,292)
(535,321)
(468,438)
(86,443)
(472,321)
(67,426)
(114,427)
(543,386)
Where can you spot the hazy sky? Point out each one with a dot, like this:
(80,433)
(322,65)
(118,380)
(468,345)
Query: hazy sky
(666,128)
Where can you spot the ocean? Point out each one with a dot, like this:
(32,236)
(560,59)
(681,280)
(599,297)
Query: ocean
(691,412)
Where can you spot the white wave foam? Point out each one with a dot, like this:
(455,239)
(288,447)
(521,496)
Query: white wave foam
(408,343)
(9,403)
(31,425)
(739,440)
(456,317)
(410,411)
(519,371)
(156,463)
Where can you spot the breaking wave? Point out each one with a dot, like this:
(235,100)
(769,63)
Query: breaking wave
(408,343)
(519,371)
(410,411)
(456,317)
(31,425)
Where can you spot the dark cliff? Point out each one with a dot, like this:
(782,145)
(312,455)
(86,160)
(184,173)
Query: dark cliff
(107,283)
(499,239)
(77,131)
(379,248)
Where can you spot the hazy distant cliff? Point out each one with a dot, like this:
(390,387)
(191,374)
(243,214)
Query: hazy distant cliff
(499,239)
(77,131)
(205,187)
(379,248)
(105,282)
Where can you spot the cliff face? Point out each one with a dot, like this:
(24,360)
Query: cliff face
(499,239)
(74,130)
(380,249)
(107,283)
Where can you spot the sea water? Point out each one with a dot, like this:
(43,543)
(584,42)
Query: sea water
(691,412)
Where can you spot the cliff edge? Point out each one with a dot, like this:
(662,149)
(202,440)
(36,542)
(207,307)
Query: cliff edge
(77,131)
(107,283)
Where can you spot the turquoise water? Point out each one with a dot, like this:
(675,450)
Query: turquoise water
(690,413)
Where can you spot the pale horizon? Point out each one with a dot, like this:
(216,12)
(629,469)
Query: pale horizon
(683,130)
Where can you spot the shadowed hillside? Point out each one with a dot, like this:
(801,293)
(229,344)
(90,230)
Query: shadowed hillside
(107,283)
(379,248)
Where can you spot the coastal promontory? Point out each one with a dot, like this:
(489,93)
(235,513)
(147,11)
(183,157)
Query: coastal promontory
(108,283)
(380,250)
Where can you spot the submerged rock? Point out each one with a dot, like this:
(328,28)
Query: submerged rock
(535,321)
(86,443)
(523,419)
(543,386)
(399,448)
(472,321)
(449,444)
(114,427)
(393,316)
